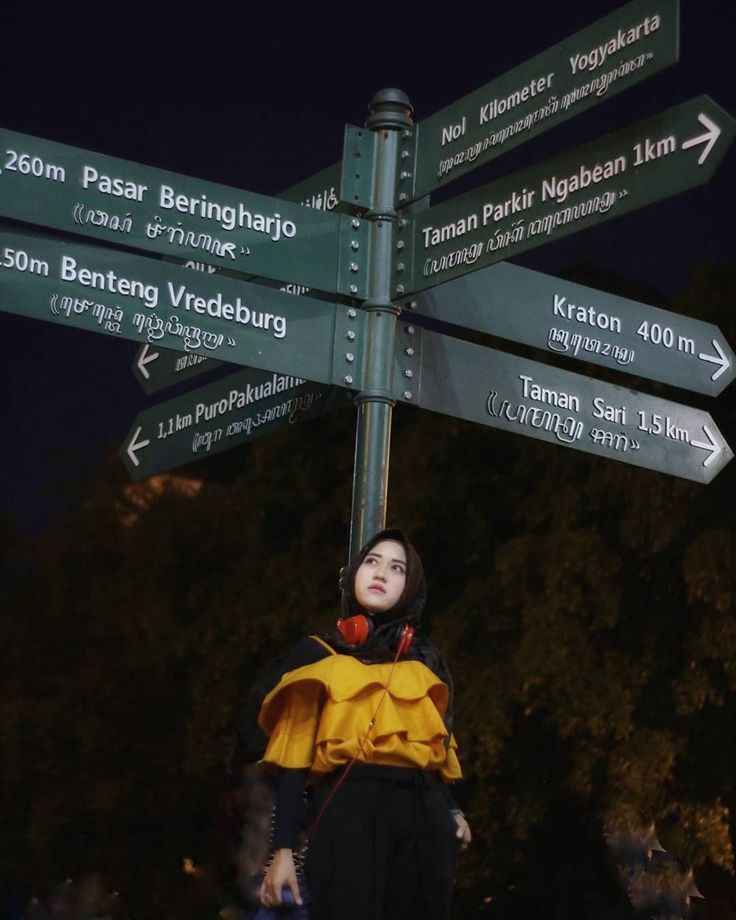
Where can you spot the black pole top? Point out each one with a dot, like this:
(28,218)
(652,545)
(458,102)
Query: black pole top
(389,108)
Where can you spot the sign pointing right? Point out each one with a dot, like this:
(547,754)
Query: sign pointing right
(536,309)
(653,159)
(479,384)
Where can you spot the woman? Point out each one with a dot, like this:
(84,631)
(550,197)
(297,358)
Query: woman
(364,713)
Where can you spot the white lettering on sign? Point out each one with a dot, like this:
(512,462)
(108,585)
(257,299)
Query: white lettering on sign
(112,185)
(237,311)
(589,315)
(462,156)
(551,397)
(108,281)
(601,409)
(518,202)
(290,410)
(562,340)
(454,132)
(593,58)
(619,441)
(238,399)
(433,236)
(496,107)
(567,429)
(584,176)
(228,216)
(186,361)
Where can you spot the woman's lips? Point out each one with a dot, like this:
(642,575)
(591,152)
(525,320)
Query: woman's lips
(379,588)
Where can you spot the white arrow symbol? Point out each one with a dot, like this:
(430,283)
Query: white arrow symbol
(712,133)
(720,359)
(133,447)
(143,359)
(712,446)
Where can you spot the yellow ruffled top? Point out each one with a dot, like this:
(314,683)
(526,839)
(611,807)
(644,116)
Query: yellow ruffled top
(318,715)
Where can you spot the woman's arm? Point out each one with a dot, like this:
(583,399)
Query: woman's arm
(290,785)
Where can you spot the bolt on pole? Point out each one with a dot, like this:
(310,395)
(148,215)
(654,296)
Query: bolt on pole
(390,115)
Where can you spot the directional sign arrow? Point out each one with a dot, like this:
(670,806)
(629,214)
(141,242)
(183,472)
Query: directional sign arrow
(155,302)
(158,368)
(721,360)
(608,56)
(706,140)
(646,162)
(145,357)
(226,413)
(525,306)
(493,388)
(134,445)
(128,204)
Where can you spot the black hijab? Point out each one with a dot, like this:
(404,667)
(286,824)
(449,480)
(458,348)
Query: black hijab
(381,644)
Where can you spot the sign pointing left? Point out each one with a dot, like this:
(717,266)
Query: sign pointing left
(81,192)
(231,411)
(155,367)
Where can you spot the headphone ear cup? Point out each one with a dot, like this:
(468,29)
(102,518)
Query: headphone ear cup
(405,639)
(355,630)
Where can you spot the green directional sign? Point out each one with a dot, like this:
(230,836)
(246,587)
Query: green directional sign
(77,191)
(646,162)
(493,388)
(569,319)
(614,53)
(232,411)
(155,302)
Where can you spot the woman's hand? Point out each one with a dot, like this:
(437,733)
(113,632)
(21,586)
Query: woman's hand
(463,830)
(281,872)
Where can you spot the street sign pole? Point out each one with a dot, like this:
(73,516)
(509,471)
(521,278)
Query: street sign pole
(390,115)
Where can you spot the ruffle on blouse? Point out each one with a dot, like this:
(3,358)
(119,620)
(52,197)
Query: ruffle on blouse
(318,717)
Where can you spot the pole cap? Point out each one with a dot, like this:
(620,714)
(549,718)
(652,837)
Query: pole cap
(389,108)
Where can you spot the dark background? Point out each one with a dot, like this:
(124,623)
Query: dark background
(586,607)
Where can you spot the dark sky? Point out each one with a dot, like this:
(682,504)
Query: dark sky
(259,102)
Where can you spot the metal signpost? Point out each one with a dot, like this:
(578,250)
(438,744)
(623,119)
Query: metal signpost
(579,322)
(386,244)
(234,410)
(503,391)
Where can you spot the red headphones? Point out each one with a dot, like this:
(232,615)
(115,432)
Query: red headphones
(356,630)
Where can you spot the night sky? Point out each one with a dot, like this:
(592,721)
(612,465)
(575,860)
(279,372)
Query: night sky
(261,103)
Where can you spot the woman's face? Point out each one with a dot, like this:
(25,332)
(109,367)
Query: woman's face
(380,579)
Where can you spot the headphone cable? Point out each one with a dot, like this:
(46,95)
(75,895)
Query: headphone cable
(361,742)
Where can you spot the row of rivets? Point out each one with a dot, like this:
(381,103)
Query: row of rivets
(351,313)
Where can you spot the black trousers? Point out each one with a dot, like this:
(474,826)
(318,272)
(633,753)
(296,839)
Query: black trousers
(384,848)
